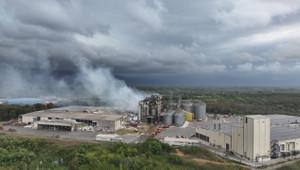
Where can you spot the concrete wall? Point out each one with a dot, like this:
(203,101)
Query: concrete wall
(27,119)
(256,137)
(107,124)
(216,138)
(289,145)
(35,125)
(228,140)
(248,138)
(262,137)
(238,140)
(110,125)
(118,125)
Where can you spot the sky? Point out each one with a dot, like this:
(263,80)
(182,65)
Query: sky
(48,44)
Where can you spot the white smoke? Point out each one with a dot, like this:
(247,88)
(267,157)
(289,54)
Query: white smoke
(87,82)
(101,83)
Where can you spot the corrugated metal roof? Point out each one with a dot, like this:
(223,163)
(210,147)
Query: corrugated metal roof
(283,127)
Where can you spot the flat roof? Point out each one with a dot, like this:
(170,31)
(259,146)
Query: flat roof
(283,119)
(226,124)
(80,112)
(283,127)
(285,133)
(257,116)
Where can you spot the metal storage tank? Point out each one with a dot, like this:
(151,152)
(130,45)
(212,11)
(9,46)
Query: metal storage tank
(179,118)
(187,106)
(188,116)
(167,118)
(200,110)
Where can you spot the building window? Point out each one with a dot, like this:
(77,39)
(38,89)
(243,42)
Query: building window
(293,146)
(203,137)
(282,147)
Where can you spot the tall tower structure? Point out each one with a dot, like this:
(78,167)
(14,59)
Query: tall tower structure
(256,137)
(150,108)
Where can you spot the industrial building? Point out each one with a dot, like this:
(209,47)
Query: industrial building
(74,118)
(189,111)
(150,108)
(176,117)
(254,137)
(199,110)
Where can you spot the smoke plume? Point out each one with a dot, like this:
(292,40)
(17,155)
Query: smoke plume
(67,79)
(46,50)
(113,91)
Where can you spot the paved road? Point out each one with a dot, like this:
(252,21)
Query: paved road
(76,135)
(276,166)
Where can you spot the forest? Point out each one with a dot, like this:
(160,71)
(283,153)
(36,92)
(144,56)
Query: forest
(8,112)
(239,101)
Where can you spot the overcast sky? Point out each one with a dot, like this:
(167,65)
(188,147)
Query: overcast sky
(168,42)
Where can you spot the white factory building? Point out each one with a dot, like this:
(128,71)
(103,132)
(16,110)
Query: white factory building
(72,118)
(254,137)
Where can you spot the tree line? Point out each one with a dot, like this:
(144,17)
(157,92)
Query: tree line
(8,112)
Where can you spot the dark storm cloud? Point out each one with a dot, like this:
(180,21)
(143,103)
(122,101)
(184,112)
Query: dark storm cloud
(53,42)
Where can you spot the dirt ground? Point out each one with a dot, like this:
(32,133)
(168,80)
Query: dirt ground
(200,161)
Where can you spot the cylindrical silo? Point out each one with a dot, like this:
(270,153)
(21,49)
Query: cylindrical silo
(167,118)
(200,110)
(188,116)
(187,106)
(179,118)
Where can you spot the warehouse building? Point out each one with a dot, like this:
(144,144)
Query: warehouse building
(285,135)
(254,137)
(75,117)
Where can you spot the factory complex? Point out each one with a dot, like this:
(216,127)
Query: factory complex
(151,110)
(257,138)
(254,137)
(74,118)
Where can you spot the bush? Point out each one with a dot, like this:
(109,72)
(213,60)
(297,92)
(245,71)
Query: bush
(175,160)
(152,146)
(19,153)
